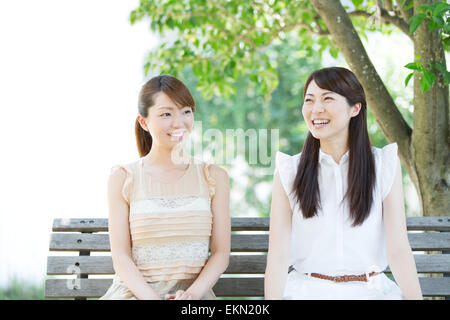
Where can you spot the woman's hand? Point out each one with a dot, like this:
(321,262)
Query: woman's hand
(181,295)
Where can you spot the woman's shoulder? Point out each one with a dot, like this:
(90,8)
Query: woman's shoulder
(386,159)
(217,172)
(120,172)
(211,169)
(386,153)
(128,166)
(283,160)
(121,179)
(389,146)
(287,165)
(213,174)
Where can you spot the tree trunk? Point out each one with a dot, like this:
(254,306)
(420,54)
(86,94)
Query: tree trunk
(424,152)
(430,138)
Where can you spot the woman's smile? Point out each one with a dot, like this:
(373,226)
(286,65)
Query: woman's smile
(320,123)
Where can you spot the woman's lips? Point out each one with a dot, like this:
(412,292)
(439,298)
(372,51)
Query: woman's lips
(318,124)
(177,135)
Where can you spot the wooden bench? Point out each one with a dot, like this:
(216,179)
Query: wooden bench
(249,244)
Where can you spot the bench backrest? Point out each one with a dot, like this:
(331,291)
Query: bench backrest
(249,245)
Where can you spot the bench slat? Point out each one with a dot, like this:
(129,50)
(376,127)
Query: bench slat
(100,242)
(433,241)
(103,265)
(239,224)
(428,223)
(225,287)
(101,224)
(95,288)
(248,264)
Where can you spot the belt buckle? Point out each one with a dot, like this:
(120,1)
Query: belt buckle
(335,279)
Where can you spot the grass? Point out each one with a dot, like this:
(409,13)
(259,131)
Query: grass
(20,289)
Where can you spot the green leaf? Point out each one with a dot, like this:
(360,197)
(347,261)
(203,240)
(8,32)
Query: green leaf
(334,52)
(436,22)
(413,66)
(427,81)
(446,43)
(146,68)
(357,3)
(446,76)
(446,28)
(409,5)
(408,78)
(415,21)
(441,68)
(440,9)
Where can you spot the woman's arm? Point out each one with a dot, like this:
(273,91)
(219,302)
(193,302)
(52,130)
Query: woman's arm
(119,235)
(399,253)
(279,242)
(220,239)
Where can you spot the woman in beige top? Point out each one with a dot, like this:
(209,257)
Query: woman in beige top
(165,215)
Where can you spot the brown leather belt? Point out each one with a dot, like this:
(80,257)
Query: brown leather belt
(345,278)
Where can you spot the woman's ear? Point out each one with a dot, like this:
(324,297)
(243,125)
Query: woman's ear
(355,109)
(142,122)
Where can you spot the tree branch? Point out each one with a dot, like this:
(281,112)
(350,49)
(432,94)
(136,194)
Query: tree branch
(407,14)
(380,101)
(388,5)
(386,17)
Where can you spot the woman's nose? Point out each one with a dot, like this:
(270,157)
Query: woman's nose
(177,121)
(317,107)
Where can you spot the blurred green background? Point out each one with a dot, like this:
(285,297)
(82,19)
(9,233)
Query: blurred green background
(249,108)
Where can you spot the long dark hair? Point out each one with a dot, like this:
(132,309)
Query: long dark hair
(174,89)
(361,172)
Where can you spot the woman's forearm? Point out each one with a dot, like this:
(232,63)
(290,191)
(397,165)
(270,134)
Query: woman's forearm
(403,268)
(133,279)
(274,279)
(211,272)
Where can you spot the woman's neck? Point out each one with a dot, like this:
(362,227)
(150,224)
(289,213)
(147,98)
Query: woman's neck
(335,148)
(166,157)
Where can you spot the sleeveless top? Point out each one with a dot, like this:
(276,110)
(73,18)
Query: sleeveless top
(327,243)
(170,223)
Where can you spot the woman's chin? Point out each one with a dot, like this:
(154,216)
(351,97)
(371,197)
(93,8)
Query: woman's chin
(318,135)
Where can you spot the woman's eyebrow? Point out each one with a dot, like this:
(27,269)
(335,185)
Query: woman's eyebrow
(171,108)
(310,94)
(164,107)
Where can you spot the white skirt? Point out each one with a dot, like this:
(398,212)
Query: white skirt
(300,286)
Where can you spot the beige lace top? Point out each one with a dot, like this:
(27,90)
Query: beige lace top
(170,223)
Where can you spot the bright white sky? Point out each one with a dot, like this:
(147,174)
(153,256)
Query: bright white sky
(70,73)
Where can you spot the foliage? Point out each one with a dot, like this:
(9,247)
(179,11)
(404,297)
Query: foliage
(224,40)
(437,15)
(249,108)
(244,56)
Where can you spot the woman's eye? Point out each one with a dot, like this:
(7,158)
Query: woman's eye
(308,100)
(165,114)
(328,98)
(188,111)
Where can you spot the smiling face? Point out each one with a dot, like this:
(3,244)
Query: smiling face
(327,113)
(167,122)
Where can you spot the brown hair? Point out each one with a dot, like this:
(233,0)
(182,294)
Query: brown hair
(174,89)
(361,172)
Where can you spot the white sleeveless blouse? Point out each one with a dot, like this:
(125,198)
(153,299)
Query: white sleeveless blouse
(327,243)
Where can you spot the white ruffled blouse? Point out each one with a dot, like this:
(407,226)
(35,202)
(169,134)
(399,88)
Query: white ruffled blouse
(327,243)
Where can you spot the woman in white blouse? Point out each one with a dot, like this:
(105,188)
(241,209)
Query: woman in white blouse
(337,214)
